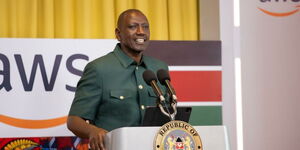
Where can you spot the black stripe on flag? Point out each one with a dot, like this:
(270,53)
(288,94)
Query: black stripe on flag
(186,53)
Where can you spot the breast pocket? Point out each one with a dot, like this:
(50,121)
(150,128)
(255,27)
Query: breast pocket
(151,93)
(122,103)
(121,95)
(153,96)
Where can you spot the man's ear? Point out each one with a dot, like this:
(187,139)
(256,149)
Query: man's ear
(117,33)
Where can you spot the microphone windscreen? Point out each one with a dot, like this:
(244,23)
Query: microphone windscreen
(149,76)
(163,75)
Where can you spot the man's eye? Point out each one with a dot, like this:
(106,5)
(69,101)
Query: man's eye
(132,27)
(146,27)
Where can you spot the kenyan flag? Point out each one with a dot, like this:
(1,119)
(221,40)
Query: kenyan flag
(196,73)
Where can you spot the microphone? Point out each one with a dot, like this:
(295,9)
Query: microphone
(164,79)
(151,80)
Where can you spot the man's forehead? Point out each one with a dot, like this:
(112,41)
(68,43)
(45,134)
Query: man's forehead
(135,15)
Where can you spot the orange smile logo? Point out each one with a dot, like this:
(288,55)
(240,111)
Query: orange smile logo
(32,124)
(280,14)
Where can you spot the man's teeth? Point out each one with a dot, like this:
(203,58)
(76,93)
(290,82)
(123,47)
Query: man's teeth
(140,40)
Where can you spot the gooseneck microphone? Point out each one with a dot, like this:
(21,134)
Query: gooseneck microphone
(164,79)
(151,80)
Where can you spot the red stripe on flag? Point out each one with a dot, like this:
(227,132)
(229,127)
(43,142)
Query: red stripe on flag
(197,86)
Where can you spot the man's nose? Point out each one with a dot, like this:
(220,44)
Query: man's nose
(140,30)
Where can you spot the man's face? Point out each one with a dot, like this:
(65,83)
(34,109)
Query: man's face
(133,32)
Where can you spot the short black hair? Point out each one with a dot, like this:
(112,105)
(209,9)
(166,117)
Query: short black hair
(125,13)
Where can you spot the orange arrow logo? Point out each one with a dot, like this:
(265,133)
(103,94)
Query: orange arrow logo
(276,14)
(33,124)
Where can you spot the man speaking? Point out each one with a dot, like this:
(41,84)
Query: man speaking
(112,93)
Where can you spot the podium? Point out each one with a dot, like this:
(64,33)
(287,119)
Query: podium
(142,138)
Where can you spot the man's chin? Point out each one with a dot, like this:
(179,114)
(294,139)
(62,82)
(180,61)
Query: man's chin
(140,48)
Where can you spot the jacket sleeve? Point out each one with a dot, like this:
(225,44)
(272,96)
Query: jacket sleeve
(88,94)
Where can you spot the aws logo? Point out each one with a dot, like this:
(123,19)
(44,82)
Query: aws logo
(279,8)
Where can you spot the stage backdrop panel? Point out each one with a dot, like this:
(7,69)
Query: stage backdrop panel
(38,78)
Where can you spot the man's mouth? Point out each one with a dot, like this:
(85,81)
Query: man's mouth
(140,41)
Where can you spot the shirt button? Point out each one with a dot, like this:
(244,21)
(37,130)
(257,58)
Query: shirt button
(122,97)
(136,68)
(141,87)
(142,107)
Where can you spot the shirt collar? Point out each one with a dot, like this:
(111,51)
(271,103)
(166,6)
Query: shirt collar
(125,59)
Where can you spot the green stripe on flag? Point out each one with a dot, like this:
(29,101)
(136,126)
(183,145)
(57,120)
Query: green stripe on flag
(206,115)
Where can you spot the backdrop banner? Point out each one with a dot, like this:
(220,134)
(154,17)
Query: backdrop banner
(38,78)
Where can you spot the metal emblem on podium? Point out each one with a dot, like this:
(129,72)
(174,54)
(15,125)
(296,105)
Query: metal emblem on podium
(177,135)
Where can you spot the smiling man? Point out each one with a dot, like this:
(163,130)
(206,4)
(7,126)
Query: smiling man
(112,93)
(133,33)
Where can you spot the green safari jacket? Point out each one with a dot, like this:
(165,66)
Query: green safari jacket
(112,92)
